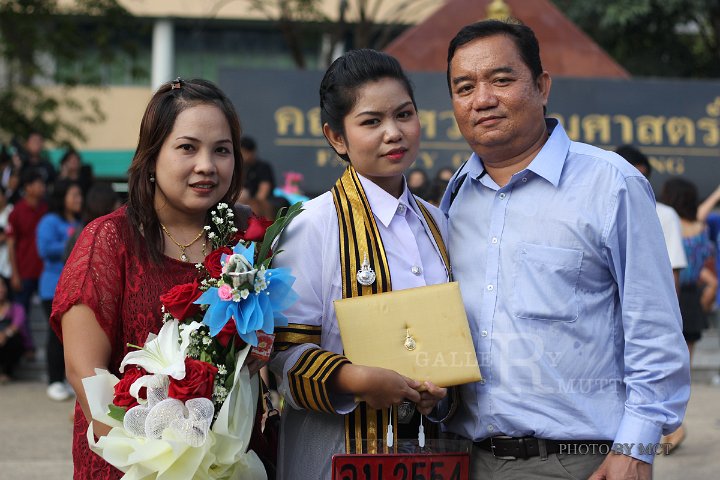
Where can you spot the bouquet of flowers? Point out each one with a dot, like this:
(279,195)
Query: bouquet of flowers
(185,406)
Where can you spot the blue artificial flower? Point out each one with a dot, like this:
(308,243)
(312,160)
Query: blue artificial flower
(259,311)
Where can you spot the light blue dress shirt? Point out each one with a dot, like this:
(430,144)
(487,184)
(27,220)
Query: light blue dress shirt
(570,297)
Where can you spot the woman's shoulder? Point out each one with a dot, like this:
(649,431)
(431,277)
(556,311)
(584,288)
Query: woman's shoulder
(314,221)
(317,211)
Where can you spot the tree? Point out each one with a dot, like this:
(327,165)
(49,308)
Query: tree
(675,38)
(40,43)
(292,18)
(360,23)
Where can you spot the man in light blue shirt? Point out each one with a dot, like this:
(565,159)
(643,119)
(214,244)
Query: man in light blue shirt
(566,280)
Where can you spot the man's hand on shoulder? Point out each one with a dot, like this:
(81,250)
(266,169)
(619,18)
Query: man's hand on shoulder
(622,467)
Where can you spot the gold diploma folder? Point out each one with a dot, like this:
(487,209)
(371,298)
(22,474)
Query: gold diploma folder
(421,333)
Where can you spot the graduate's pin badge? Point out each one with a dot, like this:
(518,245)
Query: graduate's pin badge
(365,276)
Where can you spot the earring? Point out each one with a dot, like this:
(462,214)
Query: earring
(152,178)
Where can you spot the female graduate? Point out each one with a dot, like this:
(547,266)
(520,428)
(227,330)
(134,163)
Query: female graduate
(367,235)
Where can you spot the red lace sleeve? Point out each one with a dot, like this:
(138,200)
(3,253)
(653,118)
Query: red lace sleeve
(94,275)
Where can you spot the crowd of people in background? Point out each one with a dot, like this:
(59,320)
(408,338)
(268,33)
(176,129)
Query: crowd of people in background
(41,210)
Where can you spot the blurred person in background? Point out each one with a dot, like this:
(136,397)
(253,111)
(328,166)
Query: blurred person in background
(12,319)
(72,168)
(25,262)
(418,182)
(697,284)
(439,184)
(258,180)
(5,209)
(33,157)
(53,232)
(706,214)
(100,200)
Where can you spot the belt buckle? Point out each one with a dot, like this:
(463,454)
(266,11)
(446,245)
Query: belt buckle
(492,448)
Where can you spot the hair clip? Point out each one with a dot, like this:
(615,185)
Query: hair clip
(176,84)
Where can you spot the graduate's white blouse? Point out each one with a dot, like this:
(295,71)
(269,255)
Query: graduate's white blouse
(310,247)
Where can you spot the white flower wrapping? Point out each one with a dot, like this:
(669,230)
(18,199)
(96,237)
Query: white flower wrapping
(166,451)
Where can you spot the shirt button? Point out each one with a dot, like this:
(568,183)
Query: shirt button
(484,333)
(524,179)
(482,381)
(502,195)
(416,270)
(401,209)
(491,428)
(494,240)
(490,288)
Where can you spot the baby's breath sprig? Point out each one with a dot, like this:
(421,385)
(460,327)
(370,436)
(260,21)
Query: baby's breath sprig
(223,226)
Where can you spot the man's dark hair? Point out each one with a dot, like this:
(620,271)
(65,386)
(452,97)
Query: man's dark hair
(345,76)
(522,35)
(635,157)
(248,143)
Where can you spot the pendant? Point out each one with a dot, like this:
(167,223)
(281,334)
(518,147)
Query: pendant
(183,257)
(365,276)
(406,410)
(410,343)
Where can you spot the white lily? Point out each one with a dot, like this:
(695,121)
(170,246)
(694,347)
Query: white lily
(163,353)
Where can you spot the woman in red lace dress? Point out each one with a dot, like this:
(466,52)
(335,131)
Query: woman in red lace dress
(187,160)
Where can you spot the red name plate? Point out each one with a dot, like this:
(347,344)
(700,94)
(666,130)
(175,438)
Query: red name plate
(441,466)
(264,346)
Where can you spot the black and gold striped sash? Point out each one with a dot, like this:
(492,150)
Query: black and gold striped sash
(359,236)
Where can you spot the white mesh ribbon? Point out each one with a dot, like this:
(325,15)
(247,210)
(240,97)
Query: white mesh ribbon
(189,422)
(223,455)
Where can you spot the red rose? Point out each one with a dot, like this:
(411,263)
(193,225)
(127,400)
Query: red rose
(255,231)
(122,388)
(212,261)
(198,382)
(179,300)
(229,331)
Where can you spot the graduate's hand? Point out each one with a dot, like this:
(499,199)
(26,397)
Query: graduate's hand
(378,387)
(430,395)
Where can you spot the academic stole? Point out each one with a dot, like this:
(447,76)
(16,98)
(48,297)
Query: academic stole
(359,236)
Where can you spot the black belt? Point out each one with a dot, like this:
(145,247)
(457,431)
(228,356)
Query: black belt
(525,447)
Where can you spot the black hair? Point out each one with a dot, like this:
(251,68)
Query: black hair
(56,200)
(339,86)
(69,153)
(522,35)
(248,143)
(635,157)
(682,195)
(31,175)
(101,199)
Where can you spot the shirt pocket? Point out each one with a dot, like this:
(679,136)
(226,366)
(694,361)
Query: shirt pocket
(545,283)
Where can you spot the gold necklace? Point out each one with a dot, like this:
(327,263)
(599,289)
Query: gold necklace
(182,247)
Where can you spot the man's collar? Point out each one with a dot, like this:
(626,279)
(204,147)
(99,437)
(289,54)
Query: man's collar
(545,164)
(382,204)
